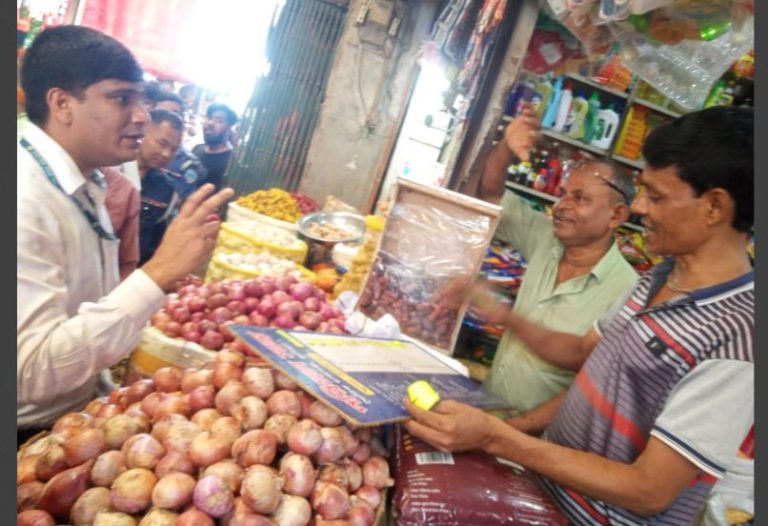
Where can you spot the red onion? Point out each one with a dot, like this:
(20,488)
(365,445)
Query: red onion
(301,291)
(217,300)
(158,517)
(237,307)
(119,428)
(206,417)
(361,453)
(306,402)
(113,518)
(279,425)
(231,357)
(107,467)
(334,473)
(201,397)
(26,467)
(251,412)
(330,500)
(212,340)
(142,451)
(229,395)
(241,515)
(332,448)
(305,437)
(172,329)
(284,322)
(285,382)
(364,434)
(174,461)
(227,428)
(261,489)
(180,436)
(228,471)
(181,314)
(292,511)
(298,473)
(34,518)
(50,463)
(28,495)
(310,319)
(266,307)
(290,310)
(220,315)
(173,403)
(195,377)
(151,403)
(85,445)
(354,474)
(255,447)
(267,284)
(252,288)
(173,491)
(225,372)
(250,304)
(61,492)
(138,390)
(376,473)
(258,381)
(348,439)
(284,402)
(324,415)
(312,304)
(94,406)
(196,304)
(194,517)
(258,320)
(360,513)
(208,325)
(370,494)
(91,502)
(161,427)
(207,448)
(134,410)
(132,491)
(213,496)
(168,379)
(71,423)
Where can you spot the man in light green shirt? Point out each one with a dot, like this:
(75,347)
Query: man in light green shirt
(575,269)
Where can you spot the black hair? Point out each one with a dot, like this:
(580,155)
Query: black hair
(161,115)
(72,58)
(165,95)
(711,148)
(229,112)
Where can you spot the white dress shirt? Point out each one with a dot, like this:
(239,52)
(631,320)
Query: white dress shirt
(73,319)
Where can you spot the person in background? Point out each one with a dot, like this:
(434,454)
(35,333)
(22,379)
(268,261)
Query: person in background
(123,203)
(217,150)
(664,402)
(575,270)
(159,200)
(73,316)
(185,171)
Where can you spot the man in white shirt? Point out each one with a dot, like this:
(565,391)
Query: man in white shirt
(73,317)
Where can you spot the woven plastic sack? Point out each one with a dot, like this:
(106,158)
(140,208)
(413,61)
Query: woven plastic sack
(239,214)
(234,239)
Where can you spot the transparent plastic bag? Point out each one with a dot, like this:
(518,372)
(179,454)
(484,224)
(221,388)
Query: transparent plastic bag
(433,238)
(685,68)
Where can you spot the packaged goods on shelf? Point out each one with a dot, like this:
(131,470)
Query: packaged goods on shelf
(438,488)
(433,238)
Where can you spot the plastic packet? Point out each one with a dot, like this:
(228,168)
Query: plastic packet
(685,68)
(433,237)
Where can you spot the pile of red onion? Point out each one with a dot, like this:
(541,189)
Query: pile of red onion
(200,313)
(228,445)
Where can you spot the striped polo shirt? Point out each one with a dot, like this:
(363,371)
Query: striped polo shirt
(681,371)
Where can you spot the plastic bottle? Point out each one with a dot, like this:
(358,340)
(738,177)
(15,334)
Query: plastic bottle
(590,120)
(714,95)
(564,107)
(514,96)
(526,94)
(544,90)
(551,114)
(574,124)
(608,124)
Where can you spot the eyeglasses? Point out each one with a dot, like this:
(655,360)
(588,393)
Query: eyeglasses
(571,165)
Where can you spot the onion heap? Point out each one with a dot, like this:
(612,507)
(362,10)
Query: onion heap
(227,445)
(200,313)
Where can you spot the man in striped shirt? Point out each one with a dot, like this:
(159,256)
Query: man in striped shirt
(665,399)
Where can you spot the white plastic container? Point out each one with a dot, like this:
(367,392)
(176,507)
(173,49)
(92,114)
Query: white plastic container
(564,108)
(607,126)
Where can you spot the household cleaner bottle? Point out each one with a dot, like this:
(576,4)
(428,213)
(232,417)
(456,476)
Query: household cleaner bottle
(574,124)
(608,125)
(550,116)
(544,90)
(564,108)
(590,119)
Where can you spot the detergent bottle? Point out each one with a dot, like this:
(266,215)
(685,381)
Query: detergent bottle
(564,108)
(550,116)
(590,120)
(607,125)
(544,90)
(574,124)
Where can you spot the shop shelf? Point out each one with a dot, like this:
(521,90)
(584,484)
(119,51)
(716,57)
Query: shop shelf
(597,85)
(531,191)
(639,164)
(573,142)
(655,107)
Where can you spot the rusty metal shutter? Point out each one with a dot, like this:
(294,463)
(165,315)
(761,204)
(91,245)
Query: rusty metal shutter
(277,125)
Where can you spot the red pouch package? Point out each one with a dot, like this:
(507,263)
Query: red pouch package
(470,489)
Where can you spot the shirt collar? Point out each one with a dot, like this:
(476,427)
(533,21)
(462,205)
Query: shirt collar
(703,296)
(602,268)
(64,167)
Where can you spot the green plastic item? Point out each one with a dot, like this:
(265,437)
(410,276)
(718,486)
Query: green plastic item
(590,120)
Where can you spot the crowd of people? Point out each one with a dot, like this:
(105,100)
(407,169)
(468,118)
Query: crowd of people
(632,394)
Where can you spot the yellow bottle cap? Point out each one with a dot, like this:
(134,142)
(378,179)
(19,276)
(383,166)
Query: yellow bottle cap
(423,395)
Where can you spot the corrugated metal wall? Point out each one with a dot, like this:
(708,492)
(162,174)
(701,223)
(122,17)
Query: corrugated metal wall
(277,125)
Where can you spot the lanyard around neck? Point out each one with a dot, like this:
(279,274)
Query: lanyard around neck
(94,222)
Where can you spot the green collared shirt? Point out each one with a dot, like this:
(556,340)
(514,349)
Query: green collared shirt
(518,375)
